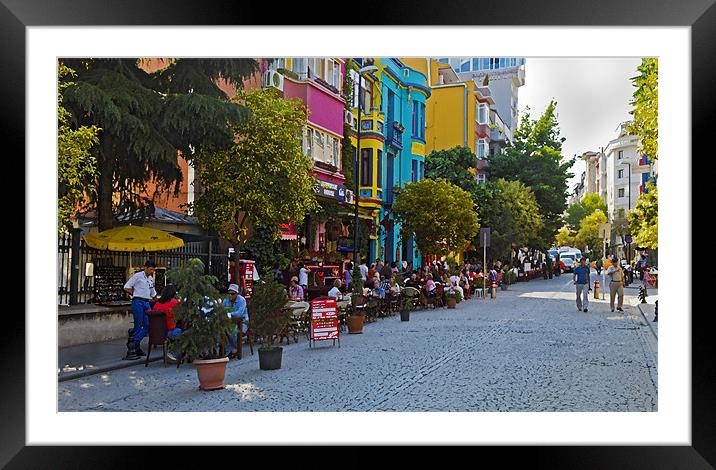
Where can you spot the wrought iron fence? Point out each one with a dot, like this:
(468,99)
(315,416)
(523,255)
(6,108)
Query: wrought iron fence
(78,266)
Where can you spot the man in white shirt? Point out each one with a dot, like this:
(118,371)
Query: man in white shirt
(303,276)
(141,288)
(363,270)
(335,291)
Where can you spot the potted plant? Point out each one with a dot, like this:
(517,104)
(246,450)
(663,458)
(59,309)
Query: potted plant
(453,297)
(207,323)
(355,319)
(406,308)
(268,319)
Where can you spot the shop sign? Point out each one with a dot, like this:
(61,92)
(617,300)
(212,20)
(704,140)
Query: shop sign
(331,190)
(324,320)
(288,231)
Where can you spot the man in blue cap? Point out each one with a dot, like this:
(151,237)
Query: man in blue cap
(237,308)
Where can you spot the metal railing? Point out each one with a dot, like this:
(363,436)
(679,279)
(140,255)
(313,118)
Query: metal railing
(76,262)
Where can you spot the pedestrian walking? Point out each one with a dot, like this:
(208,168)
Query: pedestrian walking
(582,280)
(616,284)
(363,269)
(598,266)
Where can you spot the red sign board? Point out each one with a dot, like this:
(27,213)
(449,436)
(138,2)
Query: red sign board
(289,231)
(247,277)
(324,320)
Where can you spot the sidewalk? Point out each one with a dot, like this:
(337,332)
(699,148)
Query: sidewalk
(88,359)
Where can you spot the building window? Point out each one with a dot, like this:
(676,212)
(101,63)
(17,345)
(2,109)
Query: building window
(414,172)
(621,192)
(277,63)
(620,155)
(366,96)
(366,167)
(482,148)
(480,178)
(318,146)
(298,66)
(380,169)
(465,65)
(307,141)
(415,118)
(336,153)
(422,170)
(483,113)
(621,174)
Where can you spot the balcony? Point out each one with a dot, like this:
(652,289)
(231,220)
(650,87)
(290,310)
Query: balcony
(395,135)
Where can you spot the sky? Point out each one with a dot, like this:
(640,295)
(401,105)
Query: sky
(592,97)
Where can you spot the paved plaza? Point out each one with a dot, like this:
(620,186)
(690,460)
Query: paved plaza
(527,350)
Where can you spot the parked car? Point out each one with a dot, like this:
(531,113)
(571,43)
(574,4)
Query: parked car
(569,260)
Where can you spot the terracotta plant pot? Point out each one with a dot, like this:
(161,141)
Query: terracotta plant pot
(211,373)
(451,303)
(355,324)
(270,359)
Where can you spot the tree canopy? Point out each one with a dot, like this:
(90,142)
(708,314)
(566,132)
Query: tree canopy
(76,165)
(148,117)
(512,214)
(644,219)
(453,165)
(535,159)
(588,234)
(263,179)
(440,215)
(646,107)
(577,212)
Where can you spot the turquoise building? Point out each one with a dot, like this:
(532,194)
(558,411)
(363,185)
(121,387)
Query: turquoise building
(403,96)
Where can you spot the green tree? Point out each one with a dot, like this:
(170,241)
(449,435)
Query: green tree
(263,179)
(588,234)
(512,215)
(535,159)
(76,166)
(646,107)
(453,165)
(565,237)
(644,219)
(577,212)
(440,215)
(147,118)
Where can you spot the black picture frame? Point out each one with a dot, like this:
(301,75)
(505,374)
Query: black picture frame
(16,15)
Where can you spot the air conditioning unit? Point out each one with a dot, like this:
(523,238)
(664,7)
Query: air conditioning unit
(273,79)
(349,118)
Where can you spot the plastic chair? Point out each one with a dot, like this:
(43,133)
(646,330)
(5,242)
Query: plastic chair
(157,333)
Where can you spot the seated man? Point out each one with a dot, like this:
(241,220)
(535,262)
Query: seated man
(237,308)
(335,292)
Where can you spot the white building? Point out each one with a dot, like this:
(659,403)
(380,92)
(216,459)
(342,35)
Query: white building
(620,163)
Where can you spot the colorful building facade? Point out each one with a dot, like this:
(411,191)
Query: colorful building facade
(405,95)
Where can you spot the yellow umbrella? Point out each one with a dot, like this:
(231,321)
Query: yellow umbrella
(133,238)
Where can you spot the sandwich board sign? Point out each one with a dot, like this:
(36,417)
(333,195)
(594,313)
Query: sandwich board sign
(324,321)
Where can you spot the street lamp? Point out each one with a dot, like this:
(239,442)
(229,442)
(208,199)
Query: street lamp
(628,247)
(356,251)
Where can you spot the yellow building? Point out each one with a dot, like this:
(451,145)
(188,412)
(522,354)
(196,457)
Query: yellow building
(458,112)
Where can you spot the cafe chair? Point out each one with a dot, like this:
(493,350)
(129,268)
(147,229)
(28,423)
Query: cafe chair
(157,334)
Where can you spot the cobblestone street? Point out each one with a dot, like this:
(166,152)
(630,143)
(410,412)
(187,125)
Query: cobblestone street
(528,350)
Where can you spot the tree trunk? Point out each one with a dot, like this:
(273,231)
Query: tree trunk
(105,166)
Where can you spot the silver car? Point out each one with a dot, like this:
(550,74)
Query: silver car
(569,261)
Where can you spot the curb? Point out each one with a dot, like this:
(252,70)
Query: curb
(121,364)
(638,306)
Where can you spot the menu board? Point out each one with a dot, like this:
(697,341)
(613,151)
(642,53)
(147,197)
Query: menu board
(324,320)
(109,284)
